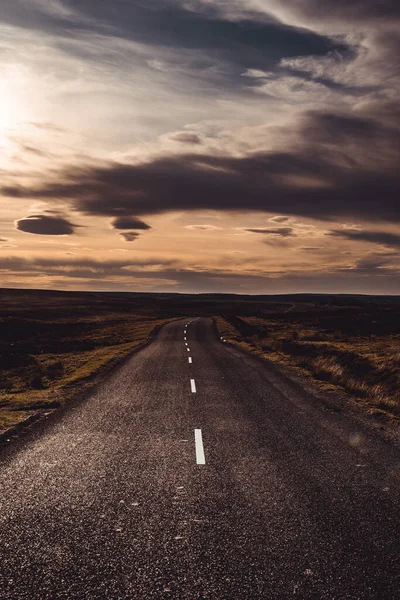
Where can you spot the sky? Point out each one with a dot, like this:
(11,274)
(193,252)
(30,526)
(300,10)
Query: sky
(238,146)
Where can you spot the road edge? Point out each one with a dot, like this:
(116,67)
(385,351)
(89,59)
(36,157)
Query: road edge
(333,400)
(79,392)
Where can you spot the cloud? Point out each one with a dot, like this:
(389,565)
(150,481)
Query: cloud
(166,24)
(278,219)
(369,32)
(343,11)
(129,236)
(280,231)
(47,126)
(79,273)
(170,24)
(86,267)
(244,142)
(45,225)
(292,89)
(31,149)
(374,264)
(128,222)
(375,237)
(332,164)
(204,227)
(6,243)
(378,262)
(312,11)
(186,137)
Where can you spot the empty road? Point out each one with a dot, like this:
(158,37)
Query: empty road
(197,472)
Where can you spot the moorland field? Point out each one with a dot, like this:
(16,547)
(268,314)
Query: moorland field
(53,344)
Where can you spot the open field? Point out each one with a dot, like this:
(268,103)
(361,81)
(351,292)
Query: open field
(354,349)
(53,342)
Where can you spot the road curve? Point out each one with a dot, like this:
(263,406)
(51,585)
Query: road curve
(274,496)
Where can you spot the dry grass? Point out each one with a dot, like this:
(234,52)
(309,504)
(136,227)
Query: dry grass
(39,379)
(365,366)
(53,342)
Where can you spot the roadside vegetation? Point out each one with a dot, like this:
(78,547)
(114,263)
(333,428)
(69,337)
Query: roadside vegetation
(354,350)
(46,358)
(53,345)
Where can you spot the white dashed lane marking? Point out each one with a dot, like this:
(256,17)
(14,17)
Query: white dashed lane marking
(190,360)
(188,349)
(193,385)
(200,458)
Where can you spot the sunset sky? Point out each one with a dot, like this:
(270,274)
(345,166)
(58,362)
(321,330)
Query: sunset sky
(247,146)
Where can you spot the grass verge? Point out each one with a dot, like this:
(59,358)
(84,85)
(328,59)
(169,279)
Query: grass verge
(365,367)
(50,361)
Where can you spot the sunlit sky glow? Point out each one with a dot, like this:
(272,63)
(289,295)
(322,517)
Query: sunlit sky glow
(247,146)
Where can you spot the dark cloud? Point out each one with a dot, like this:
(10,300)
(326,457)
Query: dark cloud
(278,219)
(333,165)
(354,10)
(29,15)
(45,225)
(128,222)
(129,236)
(374,264)
(189,24)
(186,137)
(362,277)
(375,237)
(86,267)
(280,231)
(378,262)
(376,45)
(340,133)
(161,23)
(248,43)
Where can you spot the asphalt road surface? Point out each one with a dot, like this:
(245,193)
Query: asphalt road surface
(195,471)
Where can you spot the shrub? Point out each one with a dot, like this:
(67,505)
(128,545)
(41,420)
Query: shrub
(327,369)
(55,370)
(37,382)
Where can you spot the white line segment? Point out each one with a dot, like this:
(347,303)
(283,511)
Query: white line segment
(193,385)
(188,349)
(200,458)
(190,360)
